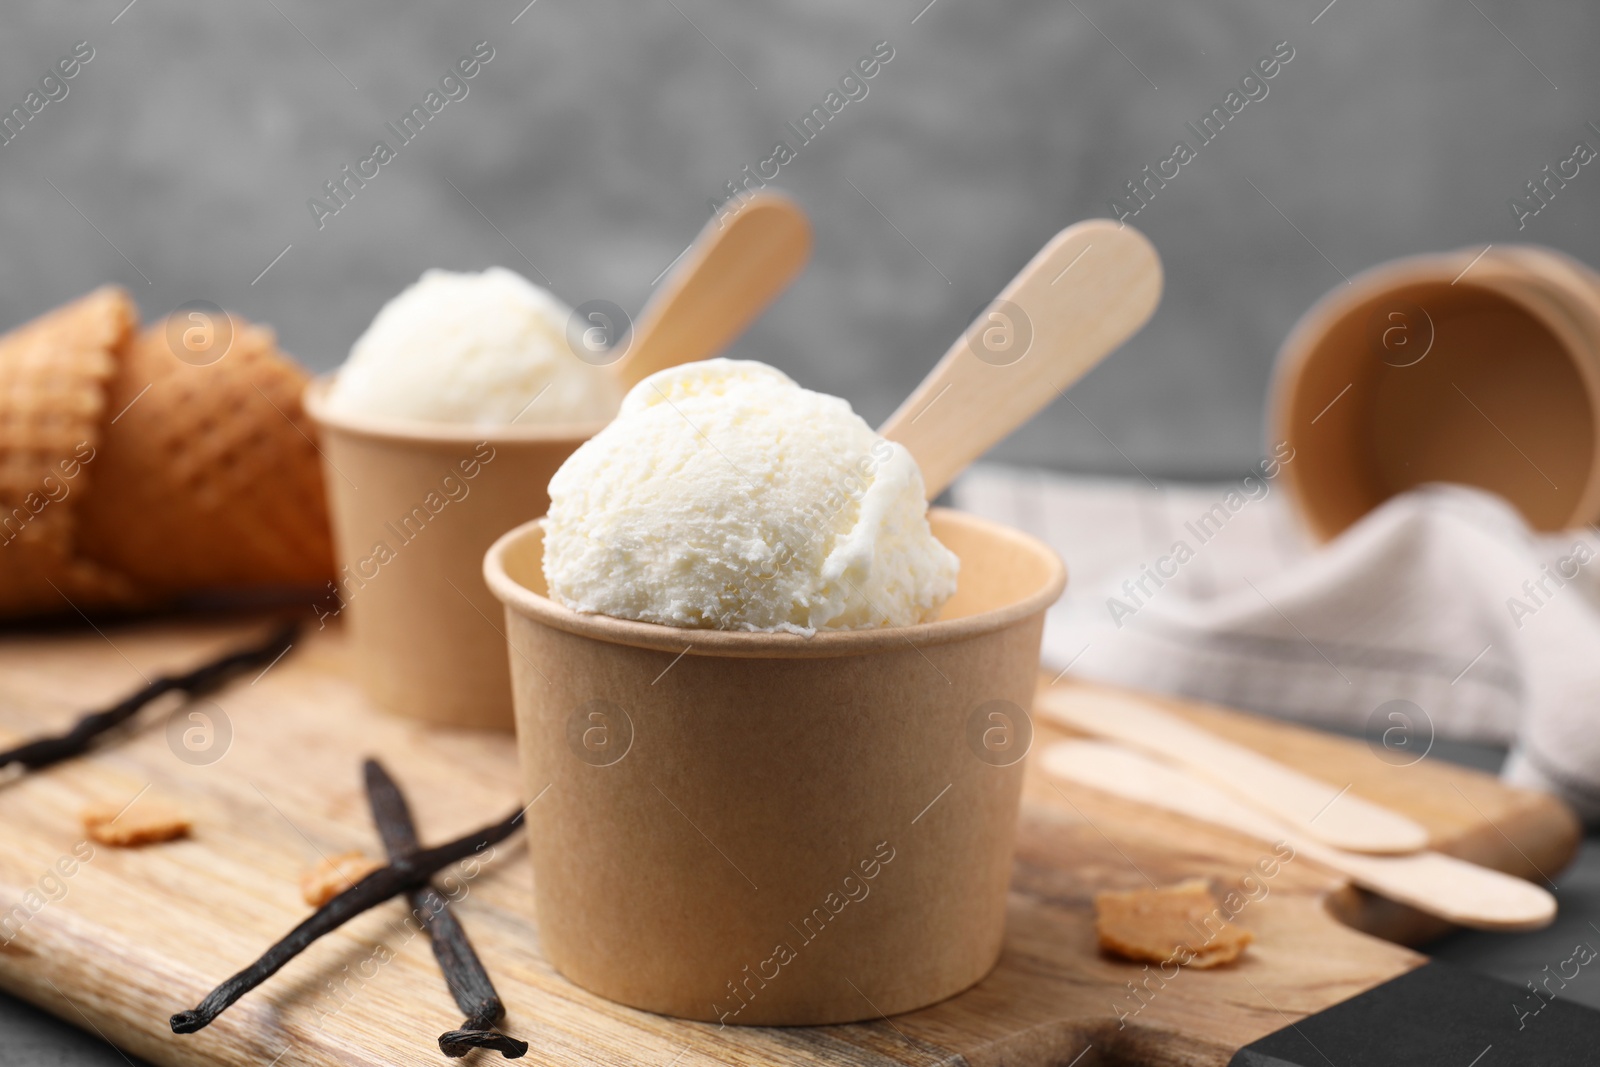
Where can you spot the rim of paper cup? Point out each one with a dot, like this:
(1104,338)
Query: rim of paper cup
(764,644)
(465,433)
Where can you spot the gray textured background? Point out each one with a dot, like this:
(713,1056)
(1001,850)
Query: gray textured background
(597,134)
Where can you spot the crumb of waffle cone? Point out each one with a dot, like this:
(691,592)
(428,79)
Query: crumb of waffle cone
(334,875)
(144,822)
(210,478)
(54,373)
(1181,923)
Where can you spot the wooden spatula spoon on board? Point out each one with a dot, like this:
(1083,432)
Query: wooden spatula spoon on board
(1085,293)
(1317,809)
(1461,892)
(735,268)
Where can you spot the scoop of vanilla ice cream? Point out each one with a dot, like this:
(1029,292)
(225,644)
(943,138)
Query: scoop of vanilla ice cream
(485,349)
(724,496)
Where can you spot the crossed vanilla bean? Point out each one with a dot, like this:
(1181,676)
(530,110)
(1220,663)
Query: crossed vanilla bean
(401,875)
(464,973)
(203,679)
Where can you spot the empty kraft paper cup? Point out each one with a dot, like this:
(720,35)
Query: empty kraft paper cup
(761,828)
(1476,367)
(414,507)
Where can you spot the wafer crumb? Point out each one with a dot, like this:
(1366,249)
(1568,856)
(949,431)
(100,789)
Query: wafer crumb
(146,823)
(1181,923)
(334,875)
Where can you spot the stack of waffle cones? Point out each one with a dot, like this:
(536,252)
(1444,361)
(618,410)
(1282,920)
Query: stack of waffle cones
(134,473)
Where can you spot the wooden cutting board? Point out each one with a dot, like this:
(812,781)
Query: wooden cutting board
(135,935)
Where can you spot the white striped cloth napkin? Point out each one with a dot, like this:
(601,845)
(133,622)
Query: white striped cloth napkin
(1439,614)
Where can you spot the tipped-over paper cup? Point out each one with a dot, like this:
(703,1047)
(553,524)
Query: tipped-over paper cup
(414,507)
(761,828)
(1480,367)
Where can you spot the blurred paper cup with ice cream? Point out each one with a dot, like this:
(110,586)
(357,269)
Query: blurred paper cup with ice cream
(440,433)
(771,708)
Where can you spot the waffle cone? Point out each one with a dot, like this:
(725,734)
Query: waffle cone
(129,476)
(209,477)
(54,374)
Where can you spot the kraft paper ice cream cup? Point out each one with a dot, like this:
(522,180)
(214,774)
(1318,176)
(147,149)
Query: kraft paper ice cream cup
(414,507)
(763,828)
(1477,367)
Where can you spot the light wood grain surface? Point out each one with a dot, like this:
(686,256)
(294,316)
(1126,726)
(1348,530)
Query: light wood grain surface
(133,936)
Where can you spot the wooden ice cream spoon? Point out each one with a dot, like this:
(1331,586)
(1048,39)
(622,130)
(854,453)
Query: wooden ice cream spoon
(1315,808)
(737,266)
(1085,293)
(1461,892)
